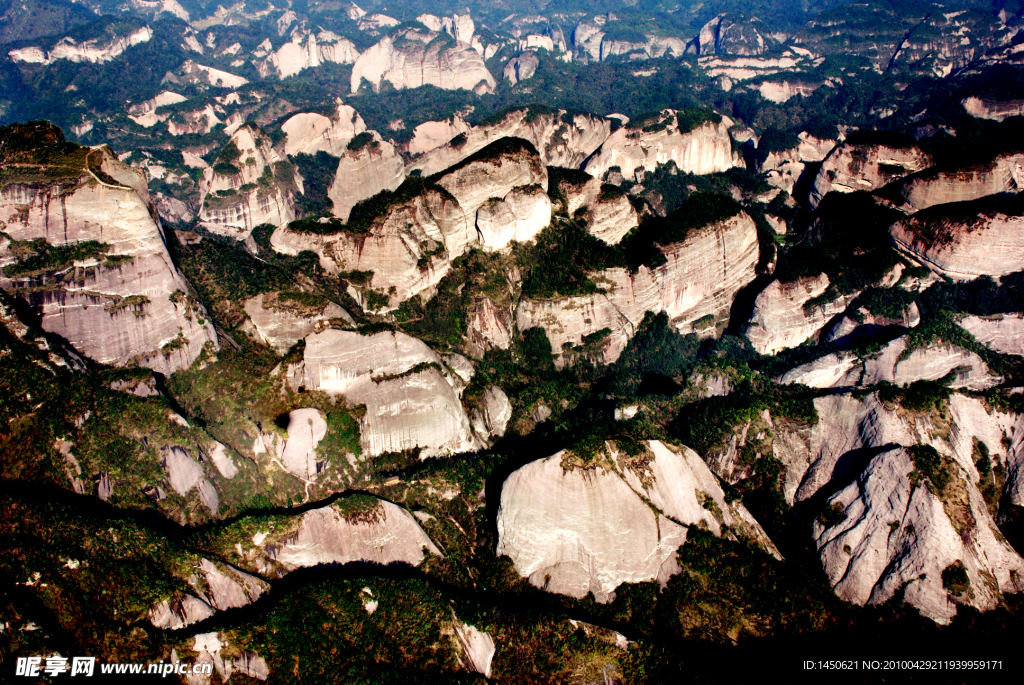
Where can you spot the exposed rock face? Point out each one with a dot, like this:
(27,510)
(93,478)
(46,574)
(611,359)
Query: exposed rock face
(592,43)
(88,51)
(610,215)
(931,187)
(433,134)
(492,414)
(305,52)
(521,68)
(115,307)
(706,149)
(561,139)
(415,57)
(863,322)
(575,531)
(897,533)
(430,227)
(782,91)
(701,277)
(781,320)
(364,172)
(489,327)
(520,216)
(184,473)
(477,648)
(851,167)
(1003,333)
(848,427)
(281,323)
(310,133)
(379,532)
(964,241)
(894,364)
(261,192)
(411,403)
(306,428)
(993,109)
(219,587)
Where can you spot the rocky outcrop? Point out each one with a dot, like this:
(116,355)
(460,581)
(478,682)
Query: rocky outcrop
(359,528)
(861,322)
(415,57)
(308,51)
(1003,333)
(433,134)
(1003,174)
(523,213)
(706,149)
(561,138)
(93,51)
(900,533)
(854,166)
(367,166)
(306,428)
(411,397)
(788,314)
(281,322)
(489,326)
(576,527)
(310,133)
(965,240)
(699,279)
(406,250)
(492,413)
(124,302)
(610,214)
(218,587)
(593,43)
(520,68)
(997,110)
(248,186)
(477,648)
(893,363)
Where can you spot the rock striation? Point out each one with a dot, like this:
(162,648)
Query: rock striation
(127,303)
(965,240)
(413,57)
(306,51)
(412,398)
(250,185)
(936,186)
(433,134)
(854,166)
(699,279)
(1003,333)
(706,149)
(523,213)
(561,138)
(901,534)
(788,314)
(575,529)
(306,428)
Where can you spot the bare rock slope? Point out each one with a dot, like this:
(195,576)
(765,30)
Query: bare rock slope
(116,296)
(575,529)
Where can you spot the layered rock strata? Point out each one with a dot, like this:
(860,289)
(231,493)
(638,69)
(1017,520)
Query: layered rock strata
(127,304)
(699,279)
(706,149)
(788,314)
(254,187)
(851,167)
(416,57)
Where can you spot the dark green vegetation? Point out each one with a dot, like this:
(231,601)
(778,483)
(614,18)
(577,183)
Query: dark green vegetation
(317,174)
